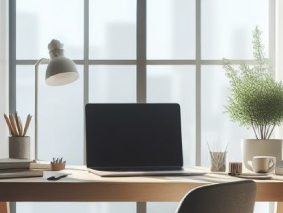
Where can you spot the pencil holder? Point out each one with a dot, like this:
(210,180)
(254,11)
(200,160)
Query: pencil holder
(218,161)
(235,168)
(57,166)
(19,147)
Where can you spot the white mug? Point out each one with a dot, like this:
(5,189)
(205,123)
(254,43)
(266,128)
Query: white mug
(263,164)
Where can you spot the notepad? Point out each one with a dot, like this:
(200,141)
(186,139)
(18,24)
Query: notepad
(15,173)
(10,163)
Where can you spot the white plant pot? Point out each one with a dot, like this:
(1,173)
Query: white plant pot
(257,147)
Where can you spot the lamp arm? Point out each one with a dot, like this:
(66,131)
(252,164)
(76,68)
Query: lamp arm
(43,60)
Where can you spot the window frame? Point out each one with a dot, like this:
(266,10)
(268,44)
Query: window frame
(141,61)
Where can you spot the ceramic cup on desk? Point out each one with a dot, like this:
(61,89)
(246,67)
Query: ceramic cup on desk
(263,164)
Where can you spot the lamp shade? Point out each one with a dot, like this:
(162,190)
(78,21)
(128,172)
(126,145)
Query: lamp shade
(61,71)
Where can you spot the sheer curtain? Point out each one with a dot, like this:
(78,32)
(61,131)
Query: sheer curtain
(3,75)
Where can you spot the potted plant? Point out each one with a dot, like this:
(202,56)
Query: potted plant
(256,102)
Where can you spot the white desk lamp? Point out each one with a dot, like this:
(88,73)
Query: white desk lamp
(60,71)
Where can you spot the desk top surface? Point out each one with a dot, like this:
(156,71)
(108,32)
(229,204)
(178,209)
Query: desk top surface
(84,186)
(80,174)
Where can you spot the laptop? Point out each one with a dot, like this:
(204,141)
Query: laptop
(135,140)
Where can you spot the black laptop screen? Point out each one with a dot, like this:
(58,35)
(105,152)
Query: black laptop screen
(133,135)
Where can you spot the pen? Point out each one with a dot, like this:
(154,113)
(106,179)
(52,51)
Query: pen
(57,177)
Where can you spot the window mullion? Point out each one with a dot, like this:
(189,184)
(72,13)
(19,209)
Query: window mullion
(198,83)
(12,56)
(86,65)
(141,51)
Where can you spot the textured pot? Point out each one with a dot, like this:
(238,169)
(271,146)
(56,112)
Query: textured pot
(256,147)
(19,147)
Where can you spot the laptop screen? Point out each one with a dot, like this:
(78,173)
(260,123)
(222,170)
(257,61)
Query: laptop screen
(133,135)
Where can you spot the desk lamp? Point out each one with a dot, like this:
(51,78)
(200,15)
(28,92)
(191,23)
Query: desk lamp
(60,71)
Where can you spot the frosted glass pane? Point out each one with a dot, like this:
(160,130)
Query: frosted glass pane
(60,120)
(176,84)
(25,97)
(112,29)
(112,84)
(164,207)
(227,27)
(87,207)
(217,125)
(38,22)
(171,29)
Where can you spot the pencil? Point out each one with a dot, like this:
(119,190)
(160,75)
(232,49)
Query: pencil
(9,125)
(27,124)
(20,126)
(18,123)
(13,124)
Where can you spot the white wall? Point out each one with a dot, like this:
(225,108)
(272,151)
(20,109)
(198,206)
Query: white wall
(3,76)
(279,53)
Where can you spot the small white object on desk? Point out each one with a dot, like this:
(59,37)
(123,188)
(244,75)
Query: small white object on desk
(9,163)
(43,165)
(254,176)
(279,168)
(16,173)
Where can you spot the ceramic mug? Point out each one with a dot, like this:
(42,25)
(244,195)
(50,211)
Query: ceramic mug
(263,164)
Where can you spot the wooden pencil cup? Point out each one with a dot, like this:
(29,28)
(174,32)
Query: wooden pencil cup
(19,147)
(57,166)
(235,168)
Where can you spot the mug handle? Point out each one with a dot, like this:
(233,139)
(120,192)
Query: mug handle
(271,160)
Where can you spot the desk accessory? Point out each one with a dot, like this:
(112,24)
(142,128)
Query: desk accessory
(19,143)
(19,147)
(43,165)
(217,160)
(263,164)
(9,163)
(279,168)
(20,173)
(58,164)
(54,178)
(15,125)
(235,168)
(60,71)
(254,176)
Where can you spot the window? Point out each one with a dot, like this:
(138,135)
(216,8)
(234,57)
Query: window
(183,42)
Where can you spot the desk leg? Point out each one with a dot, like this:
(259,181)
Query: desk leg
(141,207)
(279,208)
(4,207)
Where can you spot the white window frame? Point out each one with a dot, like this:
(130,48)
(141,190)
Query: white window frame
(141,62)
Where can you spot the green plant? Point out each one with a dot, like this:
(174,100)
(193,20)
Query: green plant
(256,99)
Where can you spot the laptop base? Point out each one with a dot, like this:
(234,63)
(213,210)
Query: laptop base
(183,172)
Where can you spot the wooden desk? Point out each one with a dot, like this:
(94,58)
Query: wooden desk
(82,186)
